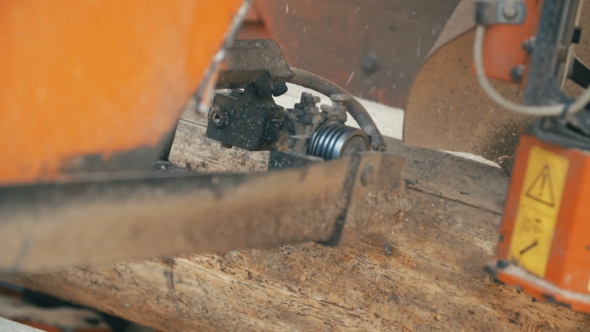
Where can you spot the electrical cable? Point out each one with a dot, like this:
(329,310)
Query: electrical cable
(553,110)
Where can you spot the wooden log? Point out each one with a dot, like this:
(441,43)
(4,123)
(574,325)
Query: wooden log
(425,277)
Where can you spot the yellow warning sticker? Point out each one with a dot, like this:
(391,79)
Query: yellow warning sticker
(538,209)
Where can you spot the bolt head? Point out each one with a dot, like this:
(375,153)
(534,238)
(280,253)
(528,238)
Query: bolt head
(369,63)
(307,99)
(529,45)
(216,117)
(517,73)
(510,11)
(339,97)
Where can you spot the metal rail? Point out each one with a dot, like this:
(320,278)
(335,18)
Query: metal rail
(59,225)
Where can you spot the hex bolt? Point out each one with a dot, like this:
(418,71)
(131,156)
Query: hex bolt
(338,108)
(510,10)
(307,100)
(367,177)
(338,99)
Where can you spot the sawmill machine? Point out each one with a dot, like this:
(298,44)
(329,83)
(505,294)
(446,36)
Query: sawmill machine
(543,246)
(91,93)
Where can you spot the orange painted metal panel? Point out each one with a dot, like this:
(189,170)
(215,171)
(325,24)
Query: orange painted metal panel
(568,261)
(502,48)
(88,77)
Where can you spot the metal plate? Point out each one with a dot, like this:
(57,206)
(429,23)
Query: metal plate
(95,221)
(372,48)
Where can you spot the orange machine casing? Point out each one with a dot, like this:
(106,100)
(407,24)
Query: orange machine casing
(545,235)
(503,44)
(96,79)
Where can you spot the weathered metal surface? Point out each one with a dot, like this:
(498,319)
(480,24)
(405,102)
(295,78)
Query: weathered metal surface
(373,48)
(246,60)
(59,225)
(88,78)
(374,200)
(462,20)
(250,120)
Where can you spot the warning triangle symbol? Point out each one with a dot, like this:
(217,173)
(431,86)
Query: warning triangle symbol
(541,190)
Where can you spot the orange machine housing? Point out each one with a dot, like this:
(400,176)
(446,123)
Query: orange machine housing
(503,44)
(90,80)
(545,236)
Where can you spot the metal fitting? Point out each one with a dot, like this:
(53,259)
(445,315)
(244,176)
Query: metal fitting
(509,10)
(338,99)
(529,45)
(218,117)
(369,63)
(517,73)
(489,12)
(307,101)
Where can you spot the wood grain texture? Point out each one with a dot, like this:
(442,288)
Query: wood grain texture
(426,276)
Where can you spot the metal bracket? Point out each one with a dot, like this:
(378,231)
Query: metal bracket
(490,12)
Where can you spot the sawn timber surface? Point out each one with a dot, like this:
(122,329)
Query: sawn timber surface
(425,277)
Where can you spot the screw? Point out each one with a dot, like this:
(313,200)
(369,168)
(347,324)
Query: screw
(338,99)
(216,117)
(510,11)
(369,63)
(367,175)
(529,45)
(517,73)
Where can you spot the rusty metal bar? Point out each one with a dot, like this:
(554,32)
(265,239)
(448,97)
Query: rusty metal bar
(59,225)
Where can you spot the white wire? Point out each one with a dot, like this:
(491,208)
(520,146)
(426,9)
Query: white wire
(553,110)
